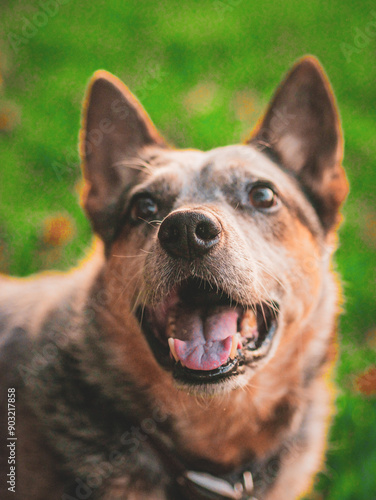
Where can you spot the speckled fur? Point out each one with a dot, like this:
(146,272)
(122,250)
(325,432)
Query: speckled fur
(92,400)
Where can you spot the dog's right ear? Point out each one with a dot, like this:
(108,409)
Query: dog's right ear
(114,130)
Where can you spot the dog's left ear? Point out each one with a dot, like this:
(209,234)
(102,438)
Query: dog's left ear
(302,130)
(115,130)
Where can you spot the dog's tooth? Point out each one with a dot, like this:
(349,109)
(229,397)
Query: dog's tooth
(172,348)
(234,346)
(249,324)
(239,335)
(239,340)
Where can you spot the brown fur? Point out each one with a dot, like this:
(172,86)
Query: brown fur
(88,381)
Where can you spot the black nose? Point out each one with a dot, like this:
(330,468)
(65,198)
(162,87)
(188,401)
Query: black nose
(189,233)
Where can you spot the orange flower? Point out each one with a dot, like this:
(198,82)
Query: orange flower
(366,382)
(9,117)
(57,230)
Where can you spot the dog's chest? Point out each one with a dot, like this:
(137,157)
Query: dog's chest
(220,433)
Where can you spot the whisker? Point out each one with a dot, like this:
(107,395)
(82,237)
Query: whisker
(129,165)
(266,270)
(127,283)
(151,222)
(136,163)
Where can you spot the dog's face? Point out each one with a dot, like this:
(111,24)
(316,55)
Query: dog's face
(223,254)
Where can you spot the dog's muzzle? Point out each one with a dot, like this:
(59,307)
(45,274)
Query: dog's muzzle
(197,329)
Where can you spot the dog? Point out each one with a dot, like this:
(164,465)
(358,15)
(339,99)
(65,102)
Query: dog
(189,356)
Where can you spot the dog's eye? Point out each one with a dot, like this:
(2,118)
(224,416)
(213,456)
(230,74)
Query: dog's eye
(144,208)
(262,197)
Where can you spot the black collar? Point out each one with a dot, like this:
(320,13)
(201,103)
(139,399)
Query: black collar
(204,486)
(248,482)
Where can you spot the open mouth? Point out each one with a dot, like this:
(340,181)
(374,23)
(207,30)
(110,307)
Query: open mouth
(204,336)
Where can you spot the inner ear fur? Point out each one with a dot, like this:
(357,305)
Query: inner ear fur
(301,130)
(115,129)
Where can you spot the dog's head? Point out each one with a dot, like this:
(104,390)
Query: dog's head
(223,255)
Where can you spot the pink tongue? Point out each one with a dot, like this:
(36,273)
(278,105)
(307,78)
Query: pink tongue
(205,338)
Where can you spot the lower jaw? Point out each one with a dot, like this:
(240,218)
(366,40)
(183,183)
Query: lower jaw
(184,374)
(208,388)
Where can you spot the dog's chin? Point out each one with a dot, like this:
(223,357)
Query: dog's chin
(207,340)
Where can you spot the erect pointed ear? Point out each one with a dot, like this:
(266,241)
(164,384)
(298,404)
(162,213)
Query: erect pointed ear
(115,129)
(302,131)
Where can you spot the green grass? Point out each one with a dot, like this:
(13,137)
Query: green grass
(166,52)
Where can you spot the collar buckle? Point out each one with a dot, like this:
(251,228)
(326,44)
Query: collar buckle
(217,488)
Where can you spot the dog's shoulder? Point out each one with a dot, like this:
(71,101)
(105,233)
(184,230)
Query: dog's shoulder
(32,308)
(25,303)
(37,316)
(18,301)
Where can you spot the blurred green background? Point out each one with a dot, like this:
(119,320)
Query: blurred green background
(204,70)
